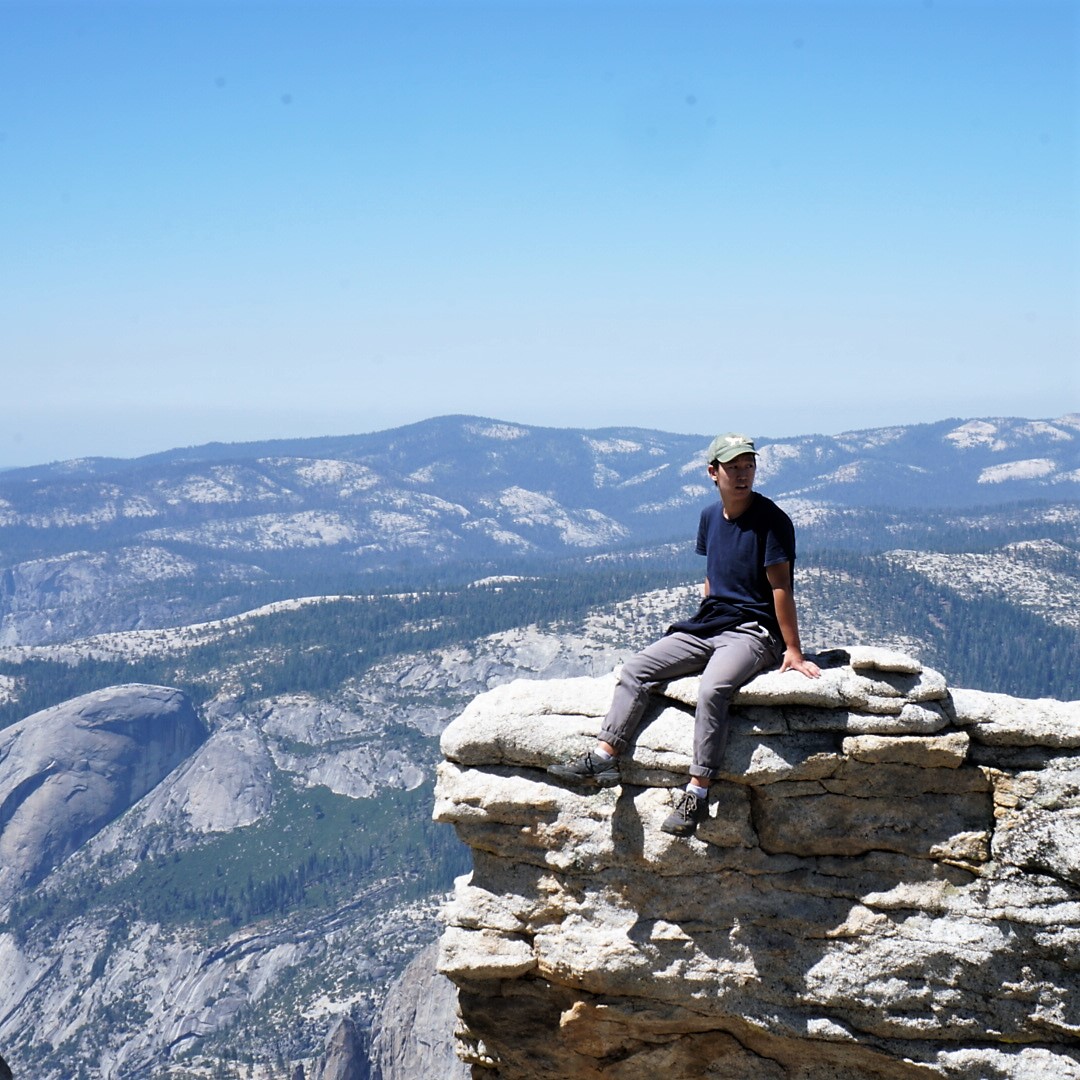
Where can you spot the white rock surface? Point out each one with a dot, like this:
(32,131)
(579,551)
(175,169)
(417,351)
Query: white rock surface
(225,785)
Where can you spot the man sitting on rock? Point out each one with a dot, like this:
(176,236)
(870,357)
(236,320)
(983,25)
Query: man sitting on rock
(746,622)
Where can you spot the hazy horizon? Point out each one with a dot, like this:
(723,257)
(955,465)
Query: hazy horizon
(763,437)
(231,221)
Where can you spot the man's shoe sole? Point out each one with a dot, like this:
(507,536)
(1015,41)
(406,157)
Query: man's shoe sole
(600,780)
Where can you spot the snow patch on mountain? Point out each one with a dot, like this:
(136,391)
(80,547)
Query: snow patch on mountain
(1060,514)
(590,528)
(612,446)
(490,528)
(604,476)
(61,517)
(808,512)
(526,504)
(645,477)
(1040,429)
(1005,435)
(398,524)
(847,474)
(267,532)
(138,506)
(499,579)
(221,484)
(426,474)
(110,504)
(771,459)
(155,564)
(1031,469)
(504,432)
(578,528)
(688,494)
(976,433)
(855,471)
(427,506)
(346,477)
(871,440)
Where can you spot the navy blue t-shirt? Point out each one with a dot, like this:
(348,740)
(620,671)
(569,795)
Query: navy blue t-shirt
(736,554)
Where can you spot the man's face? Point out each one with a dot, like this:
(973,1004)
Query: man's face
(735,478)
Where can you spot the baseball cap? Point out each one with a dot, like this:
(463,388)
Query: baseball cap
(730,445)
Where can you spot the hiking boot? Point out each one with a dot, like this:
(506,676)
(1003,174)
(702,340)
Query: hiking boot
(590,769)
(689,811)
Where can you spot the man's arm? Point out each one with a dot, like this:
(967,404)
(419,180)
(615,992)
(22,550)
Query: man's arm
(779,575)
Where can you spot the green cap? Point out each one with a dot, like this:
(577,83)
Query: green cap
(731,445)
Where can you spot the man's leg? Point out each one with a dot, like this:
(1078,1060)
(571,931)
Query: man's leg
(738,655)
(671,657)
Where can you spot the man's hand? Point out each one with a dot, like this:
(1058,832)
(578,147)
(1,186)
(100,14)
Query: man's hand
(795,661)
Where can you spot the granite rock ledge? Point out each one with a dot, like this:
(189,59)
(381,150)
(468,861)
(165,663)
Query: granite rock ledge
(888,885)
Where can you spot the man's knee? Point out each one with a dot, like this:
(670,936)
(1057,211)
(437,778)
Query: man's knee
(719,693)
(638,671)
(713,706)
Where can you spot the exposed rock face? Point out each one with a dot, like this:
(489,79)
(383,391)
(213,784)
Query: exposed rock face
(68,771)
(78,593)
(888,885)
(413,1033)
(346,1055)
(226,784)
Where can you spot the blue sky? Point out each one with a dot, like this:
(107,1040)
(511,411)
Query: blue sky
(236,220)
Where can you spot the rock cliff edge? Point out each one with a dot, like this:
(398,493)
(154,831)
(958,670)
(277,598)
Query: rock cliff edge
(888,885)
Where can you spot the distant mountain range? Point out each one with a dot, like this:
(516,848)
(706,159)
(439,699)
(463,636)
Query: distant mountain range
(105,544)
(632,473)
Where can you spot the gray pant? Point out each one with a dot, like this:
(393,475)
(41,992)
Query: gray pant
(725,661)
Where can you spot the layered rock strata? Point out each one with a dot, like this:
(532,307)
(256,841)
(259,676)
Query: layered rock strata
(887,886)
